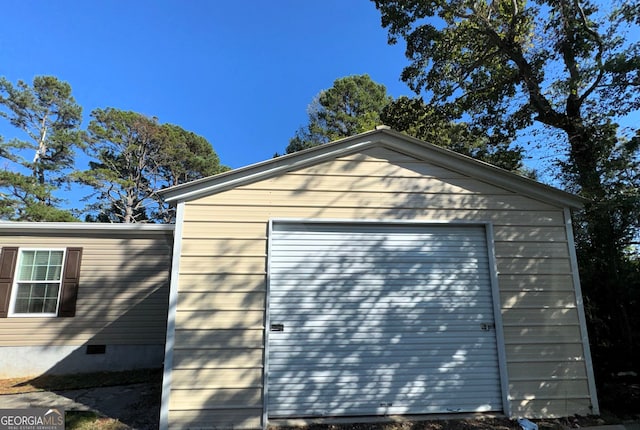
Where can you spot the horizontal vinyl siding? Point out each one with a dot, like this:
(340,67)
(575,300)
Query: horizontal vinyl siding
(224,253)
(240,417)
(122,298)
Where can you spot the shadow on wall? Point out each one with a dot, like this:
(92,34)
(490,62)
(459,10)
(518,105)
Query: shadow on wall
(392,340)
(371,323)
(121,314)
(366,326)
(544,345)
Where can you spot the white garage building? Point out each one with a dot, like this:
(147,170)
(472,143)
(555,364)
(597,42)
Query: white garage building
(376,275)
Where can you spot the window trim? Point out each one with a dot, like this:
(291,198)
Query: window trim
(14,287)
(67,302)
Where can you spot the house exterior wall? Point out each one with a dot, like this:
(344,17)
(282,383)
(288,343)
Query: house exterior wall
(122,304)
(217,373)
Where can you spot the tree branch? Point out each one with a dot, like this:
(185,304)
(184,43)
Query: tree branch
(546,113)
(573,102)
(600,44)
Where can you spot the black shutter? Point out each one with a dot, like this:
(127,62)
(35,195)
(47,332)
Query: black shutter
(70,283)
(8,257)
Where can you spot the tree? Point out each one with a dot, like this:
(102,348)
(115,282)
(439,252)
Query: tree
(183,156)
(414,117)
(351,106)
(356,104)
(564,65)
(123,144)
(49,116)
(135,157)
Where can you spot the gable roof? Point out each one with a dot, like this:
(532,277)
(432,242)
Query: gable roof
(382,137)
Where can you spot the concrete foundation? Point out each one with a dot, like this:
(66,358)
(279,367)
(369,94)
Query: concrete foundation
(21,361)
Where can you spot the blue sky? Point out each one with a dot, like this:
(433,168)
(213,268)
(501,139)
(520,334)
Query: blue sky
(239,73)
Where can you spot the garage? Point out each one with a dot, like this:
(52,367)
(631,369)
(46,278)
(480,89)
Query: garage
(373,275)
(380,319)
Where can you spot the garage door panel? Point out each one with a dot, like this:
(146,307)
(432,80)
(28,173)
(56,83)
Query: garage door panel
(406,373)
(416,391)
(414,343)
(448,327)
(446,303)
(384,304)
(434,283)
(429,406)
(408,397)
(376,319)
(428,356)
(365,261)
(381,362)
(420,392)
(354,269)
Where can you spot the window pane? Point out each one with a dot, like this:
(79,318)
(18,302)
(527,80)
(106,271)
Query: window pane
(41,266)
(37,298)
(35,306)
(25,272)
(24,291)
(50,305)
(27,257)
(56,258)
(52,291)
(22,306)
(42,258)
(54,272)
(39,273)
(38,290)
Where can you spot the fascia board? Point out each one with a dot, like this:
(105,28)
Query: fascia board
(483,171)
(81,227)
(385,138)
(262,170)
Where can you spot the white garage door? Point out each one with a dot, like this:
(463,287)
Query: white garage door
(375,319)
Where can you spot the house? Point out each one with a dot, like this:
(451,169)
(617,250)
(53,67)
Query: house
(375,275)
(81,297)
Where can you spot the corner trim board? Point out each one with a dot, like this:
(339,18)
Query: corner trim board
(171,318)
(267,319)
(581,315)
(497,319)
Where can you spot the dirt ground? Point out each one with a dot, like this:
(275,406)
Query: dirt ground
(142,414)
(476,423)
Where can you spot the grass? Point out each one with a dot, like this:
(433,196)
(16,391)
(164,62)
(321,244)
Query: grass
(83,420)
(76,381)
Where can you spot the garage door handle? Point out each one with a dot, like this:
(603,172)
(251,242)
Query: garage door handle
(487,326)
(277,327)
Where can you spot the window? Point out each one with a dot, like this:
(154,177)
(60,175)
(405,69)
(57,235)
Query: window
(38,282)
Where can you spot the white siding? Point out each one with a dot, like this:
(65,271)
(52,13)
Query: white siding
(378,183)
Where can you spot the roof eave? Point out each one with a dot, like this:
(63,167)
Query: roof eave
(81,227)
(264,169)
(495,175)
(382,137)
